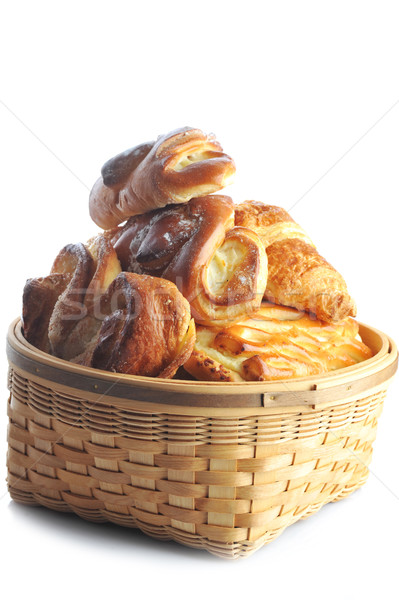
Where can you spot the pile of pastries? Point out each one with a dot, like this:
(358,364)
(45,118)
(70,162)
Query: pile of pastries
(184,282)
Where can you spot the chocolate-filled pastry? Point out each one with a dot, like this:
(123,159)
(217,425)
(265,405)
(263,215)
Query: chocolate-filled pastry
(298,276)
(91,269)
(276,343)
(178,166)
(146,328)
(219,268)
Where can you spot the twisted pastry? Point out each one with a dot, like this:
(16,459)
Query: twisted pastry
(177,167)
(88,312)
(146,328)
(91,270)
(298,276)
(219,268)
(276,343)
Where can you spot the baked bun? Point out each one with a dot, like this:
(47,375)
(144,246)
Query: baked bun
(146,328)
(298,276)
(219,268)
(180,165)
(276,343)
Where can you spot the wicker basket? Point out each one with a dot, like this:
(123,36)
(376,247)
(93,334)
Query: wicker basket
(225,467)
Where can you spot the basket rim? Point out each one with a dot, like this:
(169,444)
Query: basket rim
(301,391)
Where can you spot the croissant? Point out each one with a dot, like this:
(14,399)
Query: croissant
(146,328)
(219,268)
(177,167)
(276,343)
(297,275)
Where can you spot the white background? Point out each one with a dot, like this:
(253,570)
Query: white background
(305,97)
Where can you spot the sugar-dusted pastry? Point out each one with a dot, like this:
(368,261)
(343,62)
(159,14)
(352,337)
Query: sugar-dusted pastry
(146,328)
(178,166)
(219,268)
(91,269)
(298,276)
(276,343)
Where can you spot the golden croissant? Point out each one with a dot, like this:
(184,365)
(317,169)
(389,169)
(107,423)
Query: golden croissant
(298,276)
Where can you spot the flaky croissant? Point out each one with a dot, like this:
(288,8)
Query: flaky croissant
(180,165)
(298,276)
(276,343)
(219,268)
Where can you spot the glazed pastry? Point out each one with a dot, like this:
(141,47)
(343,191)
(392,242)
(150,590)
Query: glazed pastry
(276,343)
(181,165)
(91,269)
(298,276)
(219,268)
(146,328)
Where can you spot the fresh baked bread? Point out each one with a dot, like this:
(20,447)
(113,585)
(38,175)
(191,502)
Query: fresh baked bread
(180,165)
(298,276)
(219,268)
(276,343)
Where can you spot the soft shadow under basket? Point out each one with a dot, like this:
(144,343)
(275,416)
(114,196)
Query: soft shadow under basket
(225,467)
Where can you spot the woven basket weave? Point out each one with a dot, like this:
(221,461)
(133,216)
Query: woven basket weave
(225,467)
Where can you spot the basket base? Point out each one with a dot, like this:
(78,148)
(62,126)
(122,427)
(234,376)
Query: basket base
(165,533)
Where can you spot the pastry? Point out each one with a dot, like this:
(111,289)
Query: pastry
(276,343)
(91,269)
(90,313)
(173,254)
(181,165)
(38,300)
(219,268)
(146,328)
(107,268)
(298,276)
